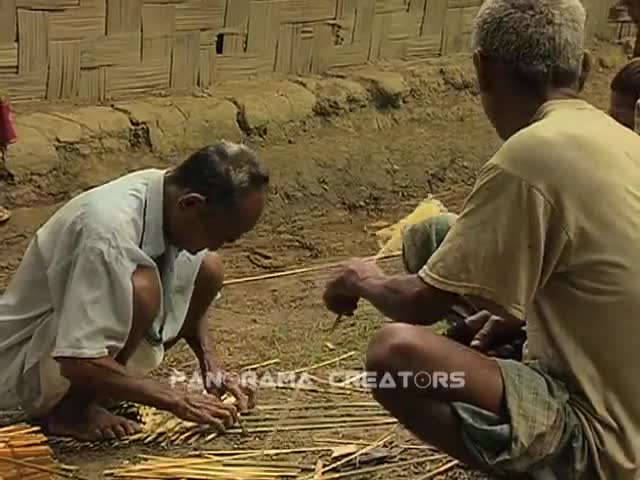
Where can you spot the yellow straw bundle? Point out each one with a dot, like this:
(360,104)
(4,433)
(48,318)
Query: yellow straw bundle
(390,238)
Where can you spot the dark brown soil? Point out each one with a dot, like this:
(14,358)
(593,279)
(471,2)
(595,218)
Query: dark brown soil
(334,185)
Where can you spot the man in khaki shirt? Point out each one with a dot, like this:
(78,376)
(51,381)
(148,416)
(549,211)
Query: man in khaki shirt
(549,236)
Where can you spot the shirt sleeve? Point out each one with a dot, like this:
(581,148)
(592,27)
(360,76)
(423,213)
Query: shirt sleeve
(503,247)
(96,305)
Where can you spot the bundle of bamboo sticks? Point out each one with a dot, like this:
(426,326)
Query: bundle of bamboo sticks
(22,449)
(206,467)
(161,428)
(259,464)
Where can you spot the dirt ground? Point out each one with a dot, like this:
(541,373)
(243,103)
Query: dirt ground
(336,181)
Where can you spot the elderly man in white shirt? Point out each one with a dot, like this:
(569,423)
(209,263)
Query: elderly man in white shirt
(116,276)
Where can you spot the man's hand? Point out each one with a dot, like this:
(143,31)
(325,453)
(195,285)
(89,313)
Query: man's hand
(205,410)
(218,382)
(340,295)
(484,331)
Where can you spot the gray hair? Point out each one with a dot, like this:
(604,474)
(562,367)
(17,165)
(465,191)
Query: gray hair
(223,173)
(543,40)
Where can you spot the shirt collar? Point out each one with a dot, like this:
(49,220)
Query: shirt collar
(564,104)
(153,241)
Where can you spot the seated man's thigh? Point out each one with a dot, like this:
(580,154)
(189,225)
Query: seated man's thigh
(538,434)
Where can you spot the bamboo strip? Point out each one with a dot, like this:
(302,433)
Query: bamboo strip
(299,271)
(322,406)
(383,467)
(351,380)
(326,391)
(319,424)
(381,441)
(25,455)
(368,413)
(323,364)
(280,451)
(33,466)
(304,421)
(340,385)
(260,365)
(440,470)
(342,441)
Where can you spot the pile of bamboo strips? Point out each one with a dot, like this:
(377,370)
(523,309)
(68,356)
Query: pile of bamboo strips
(21,449)
(162,428)
(206,467)
(260,465)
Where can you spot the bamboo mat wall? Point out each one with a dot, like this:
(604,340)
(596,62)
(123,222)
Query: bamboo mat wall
(95,50)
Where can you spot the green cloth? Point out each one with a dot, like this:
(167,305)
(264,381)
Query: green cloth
(421,240)
(538,434)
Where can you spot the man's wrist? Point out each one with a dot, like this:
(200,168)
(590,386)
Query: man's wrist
(171,401)
(199,345)
(360,286)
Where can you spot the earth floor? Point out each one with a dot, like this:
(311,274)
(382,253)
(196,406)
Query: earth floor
(335,186)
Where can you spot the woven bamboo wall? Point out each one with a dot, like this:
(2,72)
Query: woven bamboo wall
(95,50)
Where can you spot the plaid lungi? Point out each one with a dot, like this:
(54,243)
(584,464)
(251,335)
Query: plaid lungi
(538,436)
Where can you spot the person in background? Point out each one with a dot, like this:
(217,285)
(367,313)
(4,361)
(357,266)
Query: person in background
(7,137)
(114,278)
(633,8)
(547,238)
(625,93)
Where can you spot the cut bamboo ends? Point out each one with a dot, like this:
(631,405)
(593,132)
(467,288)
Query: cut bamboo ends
(25,454)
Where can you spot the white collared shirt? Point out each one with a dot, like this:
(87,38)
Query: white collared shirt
(72,294)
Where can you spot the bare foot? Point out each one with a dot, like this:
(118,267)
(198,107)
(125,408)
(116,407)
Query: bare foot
(94,424)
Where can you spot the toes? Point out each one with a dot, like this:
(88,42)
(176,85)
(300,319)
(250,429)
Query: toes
(108,433)
(120,430)
(94,435)
(132,428)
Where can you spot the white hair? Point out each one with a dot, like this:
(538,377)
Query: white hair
(242,163)
(232,148)
(539,38)
(222,172)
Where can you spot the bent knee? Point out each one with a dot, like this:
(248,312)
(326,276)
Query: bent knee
(392,347)
(211,273)
(146,293)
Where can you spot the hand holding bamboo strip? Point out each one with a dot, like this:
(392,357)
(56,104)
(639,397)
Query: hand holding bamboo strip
(392,236)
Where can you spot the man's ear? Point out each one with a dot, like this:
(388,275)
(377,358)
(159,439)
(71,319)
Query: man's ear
(479,63)
(587,64)
(191,200)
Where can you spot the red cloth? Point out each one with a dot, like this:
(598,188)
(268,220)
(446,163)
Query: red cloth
(7,129)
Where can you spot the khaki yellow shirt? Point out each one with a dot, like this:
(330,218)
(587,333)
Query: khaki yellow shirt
(551,233)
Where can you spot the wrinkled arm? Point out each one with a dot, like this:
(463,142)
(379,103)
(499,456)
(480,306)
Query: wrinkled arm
(95,320)
(406,299)
(106,377)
